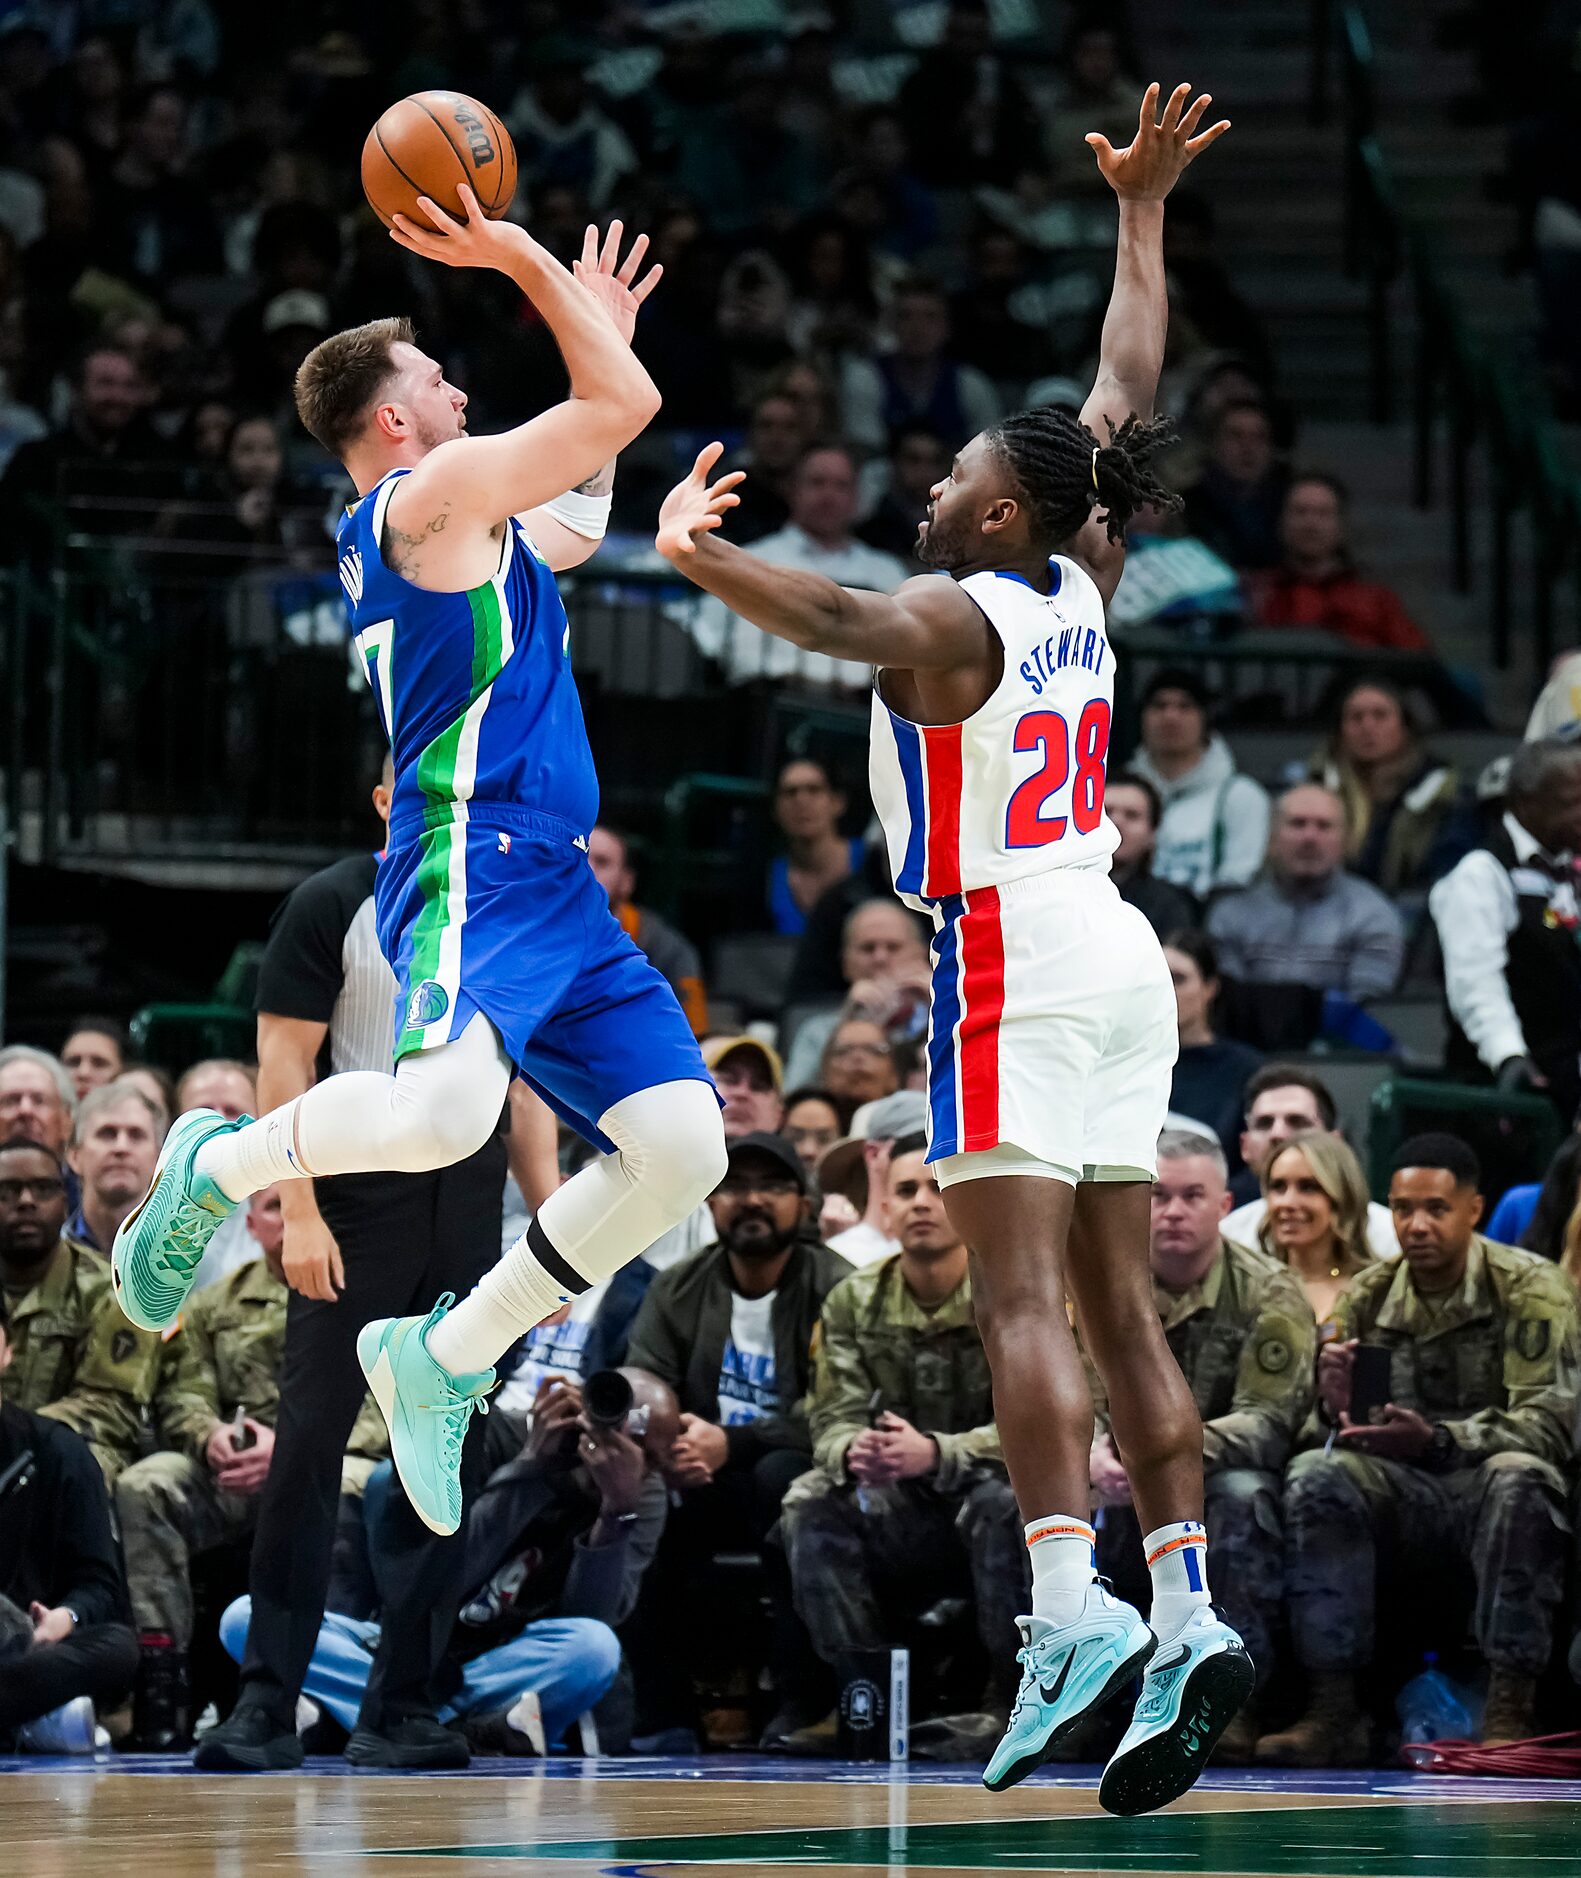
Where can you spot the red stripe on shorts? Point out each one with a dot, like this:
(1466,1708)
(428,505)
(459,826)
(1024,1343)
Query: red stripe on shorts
(982,947)
(943,745)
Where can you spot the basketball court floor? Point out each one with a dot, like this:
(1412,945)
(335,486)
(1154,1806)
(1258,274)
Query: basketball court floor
(134,1817)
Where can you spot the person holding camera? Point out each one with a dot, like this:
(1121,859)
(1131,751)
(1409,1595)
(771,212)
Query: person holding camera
(556,1543)
(65,1635)
(1458,1454)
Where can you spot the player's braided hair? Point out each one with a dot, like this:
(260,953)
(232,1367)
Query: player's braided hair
(1050,454)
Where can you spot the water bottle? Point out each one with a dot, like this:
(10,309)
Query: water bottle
(1433,1708)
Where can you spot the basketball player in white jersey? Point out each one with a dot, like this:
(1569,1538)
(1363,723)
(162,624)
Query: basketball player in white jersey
(1053,1029)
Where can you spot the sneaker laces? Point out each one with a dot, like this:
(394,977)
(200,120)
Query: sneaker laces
(184,1247)
(457,1413)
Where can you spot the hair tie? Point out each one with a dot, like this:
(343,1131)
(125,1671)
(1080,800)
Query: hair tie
(1095,469)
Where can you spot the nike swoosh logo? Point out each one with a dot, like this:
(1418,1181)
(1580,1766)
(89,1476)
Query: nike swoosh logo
(1160,1663)
(1052,1694)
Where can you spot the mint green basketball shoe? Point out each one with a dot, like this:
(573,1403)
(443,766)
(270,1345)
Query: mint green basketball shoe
(1194,1687)
(426,1408)
(161,1242)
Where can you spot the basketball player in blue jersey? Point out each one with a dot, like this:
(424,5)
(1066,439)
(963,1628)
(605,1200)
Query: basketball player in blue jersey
(506,954)
(1053,1028)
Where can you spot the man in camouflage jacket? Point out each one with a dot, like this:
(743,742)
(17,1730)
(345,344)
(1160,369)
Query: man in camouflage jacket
(1465,1465)
(909,1482)
(74,1357)
(1241,1329)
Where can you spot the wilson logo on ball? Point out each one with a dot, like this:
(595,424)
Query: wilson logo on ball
(479,144)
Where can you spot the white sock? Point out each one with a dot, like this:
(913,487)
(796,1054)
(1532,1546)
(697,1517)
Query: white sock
(1177,1557)
(671,1155)
(242,1160)
(1061,1550)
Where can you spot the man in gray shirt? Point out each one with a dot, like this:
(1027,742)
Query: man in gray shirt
(1306,921)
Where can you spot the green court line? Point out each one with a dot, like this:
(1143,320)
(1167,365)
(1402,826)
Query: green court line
(1389,1840)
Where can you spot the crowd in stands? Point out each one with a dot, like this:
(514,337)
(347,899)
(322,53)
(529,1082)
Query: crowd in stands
(868,257)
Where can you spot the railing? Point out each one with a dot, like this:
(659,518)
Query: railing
(1488,419)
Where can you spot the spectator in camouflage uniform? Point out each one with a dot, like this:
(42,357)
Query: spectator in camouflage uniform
(75,1358)
(202,1490)
(1241,1329)
(916,1494)
(1465,1462)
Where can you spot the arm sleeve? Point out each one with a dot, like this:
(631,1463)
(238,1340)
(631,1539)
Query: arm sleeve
(1246,816)
(1542,1364)
(1275,1383)
(1373,969)
(1474,909)
(841,1386)
(301,973)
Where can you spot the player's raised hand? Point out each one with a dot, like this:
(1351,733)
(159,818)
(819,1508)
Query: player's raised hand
(1151,164)
(614,282)
(474,241)
(695,506)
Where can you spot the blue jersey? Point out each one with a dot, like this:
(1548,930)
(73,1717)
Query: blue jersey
(474,689)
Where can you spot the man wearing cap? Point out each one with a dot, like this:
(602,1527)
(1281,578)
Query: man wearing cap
(1214,831)
(730,1329)
(909,1484)
(856,1169)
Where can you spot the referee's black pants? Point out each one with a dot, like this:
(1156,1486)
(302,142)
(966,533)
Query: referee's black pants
(404,1239)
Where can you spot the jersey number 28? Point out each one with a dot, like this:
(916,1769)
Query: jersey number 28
(1026,826)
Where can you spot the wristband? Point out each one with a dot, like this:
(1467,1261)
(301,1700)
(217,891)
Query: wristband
(587,516)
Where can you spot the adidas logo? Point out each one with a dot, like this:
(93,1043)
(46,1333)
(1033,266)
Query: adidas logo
(351,576)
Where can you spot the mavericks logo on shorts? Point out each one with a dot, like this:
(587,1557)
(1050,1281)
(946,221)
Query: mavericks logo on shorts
(429,1002)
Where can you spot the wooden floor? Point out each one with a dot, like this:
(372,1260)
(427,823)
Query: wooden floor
(629,1819)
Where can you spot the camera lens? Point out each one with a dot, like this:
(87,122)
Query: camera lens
(606,1398)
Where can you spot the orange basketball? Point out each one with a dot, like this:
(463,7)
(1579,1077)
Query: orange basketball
(430,143)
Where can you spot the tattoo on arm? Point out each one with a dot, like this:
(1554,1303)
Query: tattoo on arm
(600,483)
(403,552)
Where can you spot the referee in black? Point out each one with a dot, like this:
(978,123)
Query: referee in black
(357,1247)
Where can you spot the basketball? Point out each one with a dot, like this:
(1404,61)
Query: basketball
(429,144)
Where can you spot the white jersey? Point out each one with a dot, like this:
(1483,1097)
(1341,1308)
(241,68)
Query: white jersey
(1017,789)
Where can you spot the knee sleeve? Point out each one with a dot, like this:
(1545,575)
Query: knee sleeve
(671,1141)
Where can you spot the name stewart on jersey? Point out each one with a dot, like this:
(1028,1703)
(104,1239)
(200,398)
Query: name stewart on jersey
(1076,645)
(474,689)
(1017,788)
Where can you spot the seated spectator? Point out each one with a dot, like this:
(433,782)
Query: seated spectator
(1235,505)
(917,1495)
(1316,1219)
(115,1141)
(226,1086)
(556,1542)
(861,1062)
(65,1639)
(777,439)
(669,951)
(38,1101)
(1507,919)
(562,134)
(1467,1463)
(1211,1072)
(1213,832)
(856,1171)
(812,1125)
(215,1406)
(1307,922)
(888,976)
(1242,1332)
(1314,582)
(966,116)
(1285,1099)
(807,811)
(918,459)
(1545,1217)
(1136,809)
(818,538)
(920,383)
(730,1329)
(74,1357)
(749,1077)
(94,1052)
(1405,824)
(1095,89)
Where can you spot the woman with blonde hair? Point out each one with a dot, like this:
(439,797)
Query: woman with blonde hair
(1316,1222)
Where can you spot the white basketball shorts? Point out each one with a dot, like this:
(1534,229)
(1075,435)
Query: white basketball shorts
(1053,1028)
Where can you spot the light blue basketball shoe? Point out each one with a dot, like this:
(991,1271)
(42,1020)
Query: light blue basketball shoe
(427,1410)
(1067,1671)
(161,1242)
(1194,1688)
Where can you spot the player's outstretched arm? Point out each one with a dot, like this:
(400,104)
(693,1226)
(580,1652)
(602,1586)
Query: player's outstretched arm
(1131,353)
(927,625)
(488,479)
